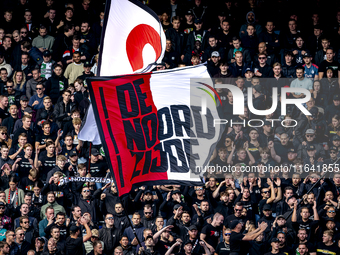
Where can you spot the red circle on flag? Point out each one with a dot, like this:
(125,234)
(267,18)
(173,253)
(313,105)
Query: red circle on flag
(137,39)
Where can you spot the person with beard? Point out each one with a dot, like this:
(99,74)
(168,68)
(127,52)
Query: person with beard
(213,63)
(248,201)
(89,203)
(302,239)
(109,234)
(88,41)
(206,212)
(250,18)
(58,223)
(279,148)
(124,243)
(270,38)
(267,217)
(120,220)
(223,248)
(111,199)
(139,202)
(148,219)
(162,239)
(193,237)
(310,140)
(181,223)
(51,202)
(224,36)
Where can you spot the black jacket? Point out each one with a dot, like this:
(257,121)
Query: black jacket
(110,237)
(55,85)
(177,40)
(61,112)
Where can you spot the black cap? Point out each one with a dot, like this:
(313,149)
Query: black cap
(24,98)
(294,195)
(28,110)
(177,206)
(41,239)
(274,240)
(279,130)
(258,88)
(314,111)
(234,223)
(94,152)
(330,219)
(2,203)
(198,21)
(192,227)
(74,228)
(307,55)
(187,242)
(175,192)
(47,53)
(73,153)
(291,150)
(310,147)
(333,148)
(336,138)
(249,69)
(87,64)
(147,191)
(149,236)
(281,217)
(189,12)
(267,207)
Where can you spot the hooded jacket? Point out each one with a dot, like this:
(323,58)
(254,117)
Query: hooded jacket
(244,26)
(55,85)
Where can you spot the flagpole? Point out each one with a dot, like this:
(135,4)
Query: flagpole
(89,164)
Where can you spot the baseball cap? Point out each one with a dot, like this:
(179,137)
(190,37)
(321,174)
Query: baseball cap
(281,217)
(335,138)
(267,207)
(336,97)
(175,192)
(28,110)
(189,12)
(291,150)
(310,147)
(292,196)
(95,233)
(307,55)
(187,242)
(258,88)
(87,64)
(279,130)
(314,111)
(24,98)
(148,191)
(177,206)
(94,152)
(2,204)
(198,21)
(310,131)
(47,53)
(74,228)
(274,240)
(41,239)
(73,153)
(333,149)
(249,69)
(192,227)
(234,223)
(215,54)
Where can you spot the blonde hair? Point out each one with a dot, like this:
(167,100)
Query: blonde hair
(22,82)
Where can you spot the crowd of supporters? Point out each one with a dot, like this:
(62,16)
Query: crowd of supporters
(283,206)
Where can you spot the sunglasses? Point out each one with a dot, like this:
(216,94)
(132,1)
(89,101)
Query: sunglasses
(38,88)
(9,86)
(265,192)
(262,58)
(26,222)
(147,213)
(227,234)
(109,218)
(2,208)
(199,189)
(309,135)
(238,210)
(86,190)
(3,133)
(331,211)
(332,152)
(23,32)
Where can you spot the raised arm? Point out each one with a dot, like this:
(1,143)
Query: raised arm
(272,190)
(273,152)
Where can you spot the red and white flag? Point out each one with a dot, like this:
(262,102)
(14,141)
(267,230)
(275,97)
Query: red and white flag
(132,40)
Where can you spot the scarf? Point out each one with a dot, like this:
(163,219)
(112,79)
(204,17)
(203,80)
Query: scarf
(10,201)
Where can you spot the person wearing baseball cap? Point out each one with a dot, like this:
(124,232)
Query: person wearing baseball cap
(213,63)
(87,72)
(333,155)
(311,70)
(74,243)
(275,247)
